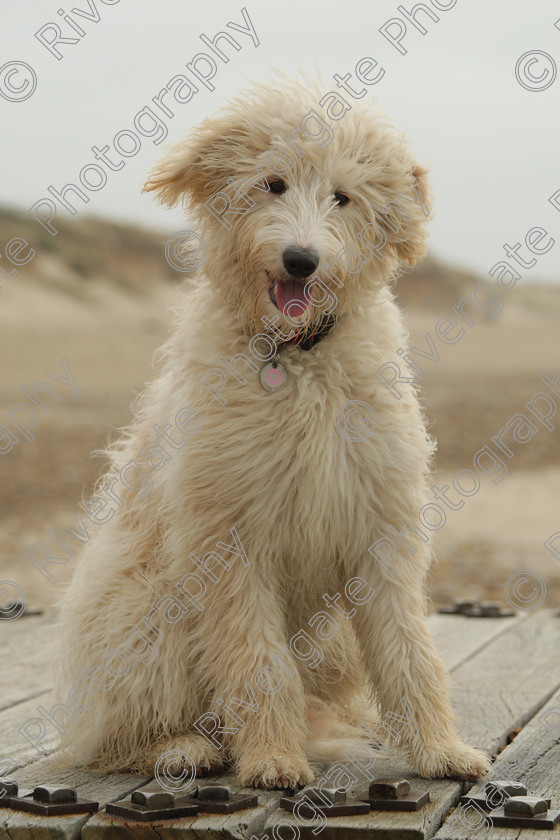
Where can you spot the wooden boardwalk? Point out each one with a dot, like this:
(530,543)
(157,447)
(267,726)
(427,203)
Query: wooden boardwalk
(505,674)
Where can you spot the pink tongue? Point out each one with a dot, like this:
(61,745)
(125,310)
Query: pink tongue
(291,290)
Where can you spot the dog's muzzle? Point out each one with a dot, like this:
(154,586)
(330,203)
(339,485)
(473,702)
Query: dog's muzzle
(288,294)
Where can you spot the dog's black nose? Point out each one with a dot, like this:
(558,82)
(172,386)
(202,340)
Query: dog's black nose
(300,262)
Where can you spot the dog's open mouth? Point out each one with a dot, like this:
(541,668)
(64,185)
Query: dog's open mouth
(289,291)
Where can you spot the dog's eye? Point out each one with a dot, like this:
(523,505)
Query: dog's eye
(341,199)
(277,187)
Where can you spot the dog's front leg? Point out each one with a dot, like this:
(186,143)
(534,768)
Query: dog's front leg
(407,674)
(257,691)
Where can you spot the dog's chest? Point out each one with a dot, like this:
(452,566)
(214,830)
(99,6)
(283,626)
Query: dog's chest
(302,461)
(308,471)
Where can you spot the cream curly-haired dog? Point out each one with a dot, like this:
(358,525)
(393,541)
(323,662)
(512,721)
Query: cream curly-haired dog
(227,609)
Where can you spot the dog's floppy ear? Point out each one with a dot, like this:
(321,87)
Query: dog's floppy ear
(401,207)
(399,191)
(200,164)
(408,213)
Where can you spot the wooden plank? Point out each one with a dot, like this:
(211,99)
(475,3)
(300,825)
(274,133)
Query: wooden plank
(20,826)
(12,742)
(532,758)
(11,631)
(458,637)
(506,683)
(27,654)
(497,688)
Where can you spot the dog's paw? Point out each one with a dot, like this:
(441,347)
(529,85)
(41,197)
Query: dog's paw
(458,761)
(275,772)
(192,753)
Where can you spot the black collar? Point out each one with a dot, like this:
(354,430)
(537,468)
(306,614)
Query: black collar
(313,334)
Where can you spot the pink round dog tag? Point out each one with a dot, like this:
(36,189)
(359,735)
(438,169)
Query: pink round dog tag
(273,376)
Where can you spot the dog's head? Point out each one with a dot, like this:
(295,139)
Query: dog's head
(306,201)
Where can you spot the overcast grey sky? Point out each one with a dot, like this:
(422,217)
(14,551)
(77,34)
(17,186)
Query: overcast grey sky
(492,142)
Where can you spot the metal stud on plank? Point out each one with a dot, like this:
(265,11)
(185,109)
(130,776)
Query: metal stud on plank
(394,795)
(519,810)
(496,793)
(389,788)
(488,609)
(475,609)
(458,607)
(218,799)
(50,793)
(506,786)
(213,793)
(525,812)
(153,803)
(326,801)
(527,806)
(153,798)
(50,801)
(326,795)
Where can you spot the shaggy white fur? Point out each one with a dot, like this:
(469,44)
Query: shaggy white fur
(305,502)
